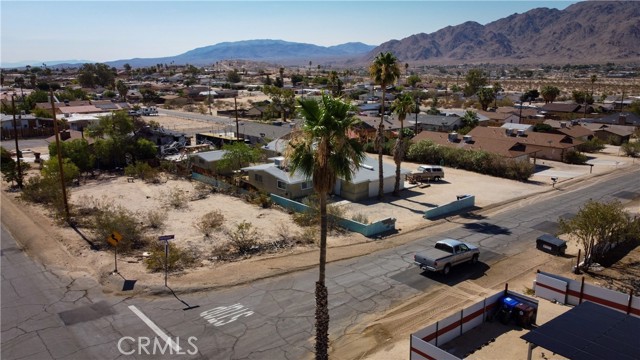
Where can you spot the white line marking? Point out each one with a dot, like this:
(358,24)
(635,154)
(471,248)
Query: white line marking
(155,328)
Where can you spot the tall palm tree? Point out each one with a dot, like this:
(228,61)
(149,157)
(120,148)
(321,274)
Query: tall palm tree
(402,105)
(322,151)
(385,71)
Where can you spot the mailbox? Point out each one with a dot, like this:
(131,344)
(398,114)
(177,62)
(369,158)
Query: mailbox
(551,244)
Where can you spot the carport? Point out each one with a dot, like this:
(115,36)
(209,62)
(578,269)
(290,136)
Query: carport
(588,331)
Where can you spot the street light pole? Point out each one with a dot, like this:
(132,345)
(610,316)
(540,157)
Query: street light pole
(15,135)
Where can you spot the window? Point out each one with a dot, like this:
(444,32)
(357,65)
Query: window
(306,185)
(282,185)
(257,178)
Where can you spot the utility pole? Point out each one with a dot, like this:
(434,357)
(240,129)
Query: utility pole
(15,135)
(235,104)
(209,94)
(59,151)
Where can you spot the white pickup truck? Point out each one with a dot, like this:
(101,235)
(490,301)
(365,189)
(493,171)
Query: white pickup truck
(445,254)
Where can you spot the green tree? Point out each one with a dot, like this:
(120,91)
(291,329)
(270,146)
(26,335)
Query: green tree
(497,87)
(282,100)
(385,71)
(402,105)
(323,152)
(238,155)
(51,170)
(336,83)
(77,151)
(233,76)
(8,166)
(597,224)
(123,89)
(485,97)
(91,75)
(476,79)
(549,93)
(412,80)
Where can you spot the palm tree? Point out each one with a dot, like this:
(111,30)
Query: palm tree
(322,151)
(385,71)
(402,106)
(594,78)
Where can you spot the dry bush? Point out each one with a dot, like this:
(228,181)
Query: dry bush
(178,258)
(360,217)
(156,219)
(210,222)
(175,198)
(110,217)
(244,237)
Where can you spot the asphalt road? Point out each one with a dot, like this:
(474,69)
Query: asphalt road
(271,318)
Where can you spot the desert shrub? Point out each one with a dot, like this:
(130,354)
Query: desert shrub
(311,217)
(202,190)
(176,198)
(360,217)
(156,219)
(575,157)
(631,148)
(310,235)
(244,237)
(264,200)
(210,222)
(46,191)
(110,217)
(591,146)
(178,258)
(141,170)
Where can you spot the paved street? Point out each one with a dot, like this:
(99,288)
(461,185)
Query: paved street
(57,317)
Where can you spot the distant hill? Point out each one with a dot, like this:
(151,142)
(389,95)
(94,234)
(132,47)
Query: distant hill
(255,50)
(585,32)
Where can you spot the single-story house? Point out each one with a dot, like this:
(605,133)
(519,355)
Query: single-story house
(80,122)
(428,122)
(611,134)
(623,118)
(548,146)
(276,179)
(501,117)
(206,162)
(509,148)
(570,128)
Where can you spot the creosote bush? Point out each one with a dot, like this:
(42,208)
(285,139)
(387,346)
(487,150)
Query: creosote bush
(176,198)
(210,222)
(110,217)
(156,219)
(178,258)
(143,171)
(244,237)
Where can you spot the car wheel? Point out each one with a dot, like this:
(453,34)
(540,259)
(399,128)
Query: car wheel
(446,270)
(474,259)
(437,178)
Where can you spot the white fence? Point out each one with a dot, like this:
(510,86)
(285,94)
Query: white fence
(574,292)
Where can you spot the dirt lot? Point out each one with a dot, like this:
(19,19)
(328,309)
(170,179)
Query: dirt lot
(387,336)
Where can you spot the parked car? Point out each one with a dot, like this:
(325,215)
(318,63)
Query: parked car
(426,173)
(445,254)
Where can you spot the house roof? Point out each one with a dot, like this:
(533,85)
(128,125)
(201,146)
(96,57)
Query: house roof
(507,147)
(525,127)
(368,171)
(615,118)
(620,130)
(532,138)
(278,173)
(210,156)
(437,120)
(589,331)
(74,134)
(560,107)
(575,131)
(82,109)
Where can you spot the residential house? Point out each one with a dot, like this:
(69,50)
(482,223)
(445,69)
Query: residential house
(162,136)
(428,122)
(276,179)
(556,110)
(509,148)
(611,134)
(570,128)
(500,118)
(206,163)
(548,146)
(623,118)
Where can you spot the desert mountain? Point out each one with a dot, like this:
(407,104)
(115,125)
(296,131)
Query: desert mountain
(255,50)
(585,32)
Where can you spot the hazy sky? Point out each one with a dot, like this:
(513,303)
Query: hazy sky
(100,31)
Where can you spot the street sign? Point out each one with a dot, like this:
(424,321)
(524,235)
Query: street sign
(166,237)
(114,238)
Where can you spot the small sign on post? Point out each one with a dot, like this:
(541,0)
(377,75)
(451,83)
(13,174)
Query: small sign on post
(114,239)
(166,239)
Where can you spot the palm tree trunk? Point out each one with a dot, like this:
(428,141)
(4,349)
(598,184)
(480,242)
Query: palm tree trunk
(380,148)
(322,296)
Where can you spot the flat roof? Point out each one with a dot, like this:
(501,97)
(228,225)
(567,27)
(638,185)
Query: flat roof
(589,331)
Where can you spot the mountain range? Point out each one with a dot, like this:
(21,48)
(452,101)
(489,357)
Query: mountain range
(585,32)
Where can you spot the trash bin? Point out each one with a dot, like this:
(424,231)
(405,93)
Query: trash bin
(551,244)
(524,315)
(506,310)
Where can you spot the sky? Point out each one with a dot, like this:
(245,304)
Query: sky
(99,31)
